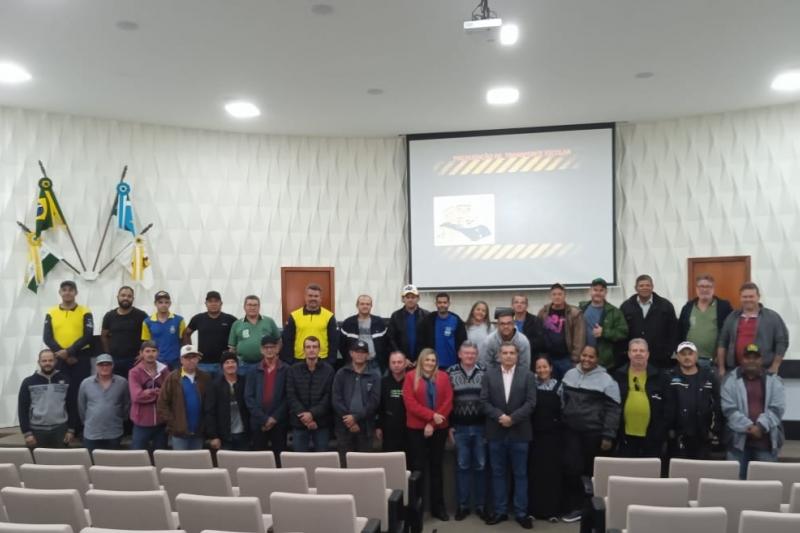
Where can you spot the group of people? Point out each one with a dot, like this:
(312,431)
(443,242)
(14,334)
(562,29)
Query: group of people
(539,395)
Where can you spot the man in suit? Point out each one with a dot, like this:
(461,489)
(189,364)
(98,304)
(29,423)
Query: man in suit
(508,394)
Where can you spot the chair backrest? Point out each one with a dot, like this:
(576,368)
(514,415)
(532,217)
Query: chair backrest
(393,463)
(241,513)
(625,491)
(794,501)
(693,470)
(786,473)
(37,506)
(313,513)
(367,485)
(619,466)
(108,530)
(761,521)
(8,527)
(182,459)
(736,496)
(310,461)
(261,482)
(62,456)
(233,460)
(16,456)
(120,508)
(651,519)
(55,477)
(9,475)
(121,458)
(203,481)
(124,478)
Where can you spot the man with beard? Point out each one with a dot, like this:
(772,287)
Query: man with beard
(47,416)
(121,332)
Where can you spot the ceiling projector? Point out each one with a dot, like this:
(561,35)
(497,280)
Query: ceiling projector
(482,24)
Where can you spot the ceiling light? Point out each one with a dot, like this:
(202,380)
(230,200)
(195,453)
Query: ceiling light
(502,95)
(787,81)
(375,91)
(242,109)
(127,25)
(13,73)
(644,75)
(509,34)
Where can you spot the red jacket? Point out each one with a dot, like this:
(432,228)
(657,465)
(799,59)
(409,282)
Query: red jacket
(417,412)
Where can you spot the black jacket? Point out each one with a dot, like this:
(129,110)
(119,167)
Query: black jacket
(348,383)
(533,328)
(392,410)
(659,328)
(547,414)
(591,402)
(218,408)
(380,338)
(398,336)
(703,401)
(724,308)
(426,331)
(520,405)
(254,397)
(657,388)
(310,391)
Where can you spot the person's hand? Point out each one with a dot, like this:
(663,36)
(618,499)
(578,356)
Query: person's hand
(410,363)
(605,444)
(72,361)
(597,331)
(69,437)
(270,423)
(452,435)
(756,432)
(773,368)
(312,426)
(438,419)
(354,428)
(62,354)
(306,417)
(349,421)
(379,434)
(428,431)
(30,440)
(505,421)
(215,444)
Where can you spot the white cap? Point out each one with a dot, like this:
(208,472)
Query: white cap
(686,344)
(188,350)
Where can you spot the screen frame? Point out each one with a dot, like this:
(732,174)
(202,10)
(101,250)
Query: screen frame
(513,131)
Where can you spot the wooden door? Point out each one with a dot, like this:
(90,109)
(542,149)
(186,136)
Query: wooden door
(293,287)
(728,272)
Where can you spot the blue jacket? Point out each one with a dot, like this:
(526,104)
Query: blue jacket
(254,397)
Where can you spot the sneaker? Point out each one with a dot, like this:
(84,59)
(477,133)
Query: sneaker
(569,518)
(553,520)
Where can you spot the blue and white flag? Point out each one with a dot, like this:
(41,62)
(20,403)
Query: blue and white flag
(124,209)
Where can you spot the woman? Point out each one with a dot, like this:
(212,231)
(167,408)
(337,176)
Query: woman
(544,459)
(428,397)
(478,324)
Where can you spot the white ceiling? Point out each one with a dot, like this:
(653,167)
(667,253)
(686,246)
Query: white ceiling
(575,62)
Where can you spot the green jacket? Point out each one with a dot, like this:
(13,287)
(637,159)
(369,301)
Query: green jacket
(615,332)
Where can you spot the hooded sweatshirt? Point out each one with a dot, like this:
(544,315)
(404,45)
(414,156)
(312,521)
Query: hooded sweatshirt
(144,389)
(591,401)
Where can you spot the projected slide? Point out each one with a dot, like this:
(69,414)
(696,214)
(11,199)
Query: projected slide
(520,209)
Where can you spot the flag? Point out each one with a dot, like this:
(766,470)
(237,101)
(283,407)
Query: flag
(41,260)
(48,212)
(124,209)
(138,263)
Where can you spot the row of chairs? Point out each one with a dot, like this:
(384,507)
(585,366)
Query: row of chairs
(657,519)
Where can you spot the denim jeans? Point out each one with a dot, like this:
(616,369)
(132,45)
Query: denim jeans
(302,438)
(500,452)
(244,368)
(101,444)
(210,368)
(143,436)
(187,443)
(470,463)
(561,365)
(750,454)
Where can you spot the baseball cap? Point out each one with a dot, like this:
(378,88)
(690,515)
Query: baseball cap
(269,339)
(410,289)
(558,286)
(359,346)
(600,281)
(104,358)
(686,345)
(213,295)
(189,350)
(68,283)
(226,356)
(161,295)
(503,311)
(752,348)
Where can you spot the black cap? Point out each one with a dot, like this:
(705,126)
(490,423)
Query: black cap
(359,346)
(558,286)
(503,311)
(270,339)
(68,283)
(148,344)
(213,295)
(160,295)
(752,348)
(227,355)
(600,281)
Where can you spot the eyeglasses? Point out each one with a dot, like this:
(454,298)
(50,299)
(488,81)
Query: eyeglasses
(636,386)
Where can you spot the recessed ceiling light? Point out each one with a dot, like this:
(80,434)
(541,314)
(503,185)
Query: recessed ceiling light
(242,109)
(375,91)
(13,73)
(787,81)
(502,95)
(127,25)
(322,9)
(509,34)
(644,75)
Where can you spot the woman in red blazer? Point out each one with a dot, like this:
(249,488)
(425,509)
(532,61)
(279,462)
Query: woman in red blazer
(428,397)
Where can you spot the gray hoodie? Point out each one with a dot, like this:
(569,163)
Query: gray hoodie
(490,350)
(734,408)
(591,401)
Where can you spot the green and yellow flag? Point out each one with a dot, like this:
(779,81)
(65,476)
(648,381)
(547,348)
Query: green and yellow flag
(41,260)
(48,212)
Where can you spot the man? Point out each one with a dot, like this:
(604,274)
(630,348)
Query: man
(182,399)
(753,324)
(369,328)
(144,382)
(604,324)
(227,420)
(308,391)
(121,333)
(591,413)
(246,334)
(505,332)
(442,331)
(643,392)
(311,320)
(468,430)
(528,324)
(68,332)
(702,318)
(696,417)
(753,402)
(166,329)
(652,318)
(355,397)
(103,403)
(564,331)
(213,330)
(47,417)
(265,396)
(508,394)
(403,325)
(391,423)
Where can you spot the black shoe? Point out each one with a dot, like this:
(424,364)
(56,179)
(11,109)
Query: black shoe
(496,519)
(441,514)
(461,514)
(481,513)
(525,521)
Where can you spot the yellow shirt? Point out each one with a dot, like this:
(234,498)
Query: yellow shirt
(637,405)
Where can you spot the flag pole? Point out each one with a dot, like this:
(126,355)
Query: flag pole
(108,222)
(26,230)
(111,261)
(66,225)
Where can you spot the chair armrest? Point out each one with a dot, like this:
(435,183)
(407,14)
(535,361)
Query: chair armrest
(598,514)
(395,505)
(373,526)
(613,531)
(414,489)
(588,485)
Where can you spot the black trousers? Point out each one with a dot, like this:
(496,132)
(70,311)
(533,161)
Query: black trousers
(689,447)
(274,439)
(580,449)
(427,456)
